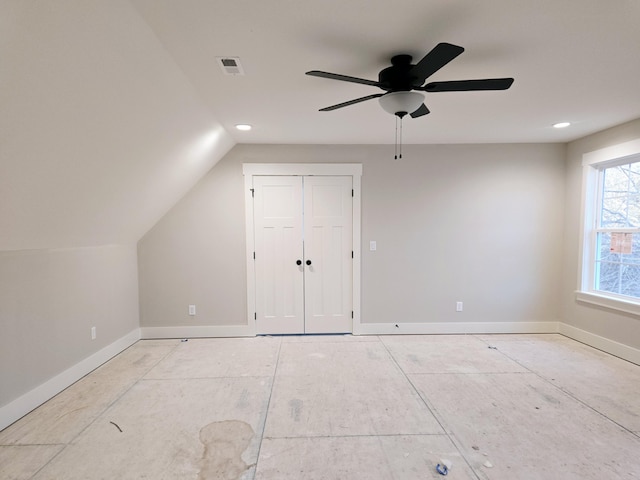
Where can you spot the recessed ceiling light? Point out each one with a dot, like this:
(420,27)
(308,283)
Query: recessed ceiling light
(561,125)
(244,127)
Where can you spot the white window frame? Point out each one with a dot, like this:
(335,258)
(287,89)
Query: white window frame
(592,165)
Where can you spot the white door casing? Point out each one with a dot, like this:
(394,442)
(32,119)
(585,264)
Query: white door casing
(330,300)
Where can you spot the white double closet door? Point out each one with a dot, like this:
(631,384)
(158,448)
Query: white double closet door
(303,254)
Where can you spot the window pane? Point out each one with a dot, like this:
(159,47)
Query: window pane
(614,212)
(633,205)
(634,256)
(617,272)
(630,280)
(608,278)
(635,168)
(604,249)
(633,173)
(621,196)
(615,179)
(605,254)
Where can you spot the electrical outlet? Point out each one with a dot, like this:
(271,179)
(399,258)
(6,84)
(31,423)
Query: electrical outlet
(192,310)
(458,306)
(93,333)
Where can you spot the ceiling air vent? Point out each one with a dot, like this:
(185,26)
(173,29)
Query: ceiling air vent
(230,65)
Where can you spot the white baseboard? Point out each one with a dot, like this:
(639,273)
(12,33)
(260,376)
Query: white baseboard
(454,328)
(24,404)
(618,349)
(197,331)
(34,398)
(360,329)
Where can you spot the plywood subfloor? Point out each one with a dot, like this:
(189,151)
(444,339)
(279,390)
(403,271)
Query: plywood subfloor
(339,407)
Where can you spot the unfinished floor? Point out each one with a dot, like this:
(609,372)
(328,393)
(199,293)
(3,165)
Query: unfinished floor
(339,407)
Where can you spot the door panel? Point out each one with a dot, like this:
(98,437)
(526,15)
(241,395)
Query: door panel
(278,233)
(328,246)
(307,219)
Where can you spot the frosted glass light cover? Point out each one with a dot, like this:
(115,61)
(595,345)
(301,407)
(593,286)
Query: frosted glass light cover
(397,102)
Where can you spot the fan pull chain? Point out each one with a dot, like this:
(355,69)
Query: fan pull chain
(398,150)
(396,140)
(400,138)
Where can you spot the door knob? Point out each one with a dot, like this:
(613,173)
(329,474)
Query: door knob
(298,262)
(308,262)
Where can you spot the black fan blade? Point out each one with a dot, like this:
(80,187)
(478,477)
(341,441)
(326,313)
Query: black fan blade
(468,85)
(433,61)
(351,102)
(344,78)
(422,110)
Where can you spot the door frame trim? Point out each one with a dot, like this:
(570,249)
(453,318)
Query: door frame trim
(249,170)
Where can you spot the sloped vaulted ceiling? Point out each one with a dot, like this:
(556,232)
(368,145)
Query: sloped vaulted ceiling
(100,131)
(110,110)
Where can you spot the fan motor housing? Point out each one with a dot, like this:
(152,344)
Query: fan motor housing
(398,76)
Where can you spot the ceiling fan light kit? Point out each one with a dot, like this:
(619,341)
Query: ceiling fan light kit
(401,103)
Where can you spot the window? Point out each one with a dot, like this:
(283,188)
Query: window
(617,229)
(611,233)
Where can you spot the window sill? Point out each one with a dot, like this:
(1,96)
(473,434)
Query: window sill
(613,303)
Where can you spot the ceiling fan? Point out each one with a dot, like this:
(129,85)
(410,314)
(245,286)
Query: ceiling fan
(403,82)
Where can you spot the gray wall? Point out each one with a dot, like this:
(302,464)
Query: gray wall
(477,223)
(101,134)
(606,323)
(50,299)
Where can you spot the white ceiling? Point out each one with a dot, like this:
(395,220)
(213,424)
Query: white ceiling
(572,60)
(113,109)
